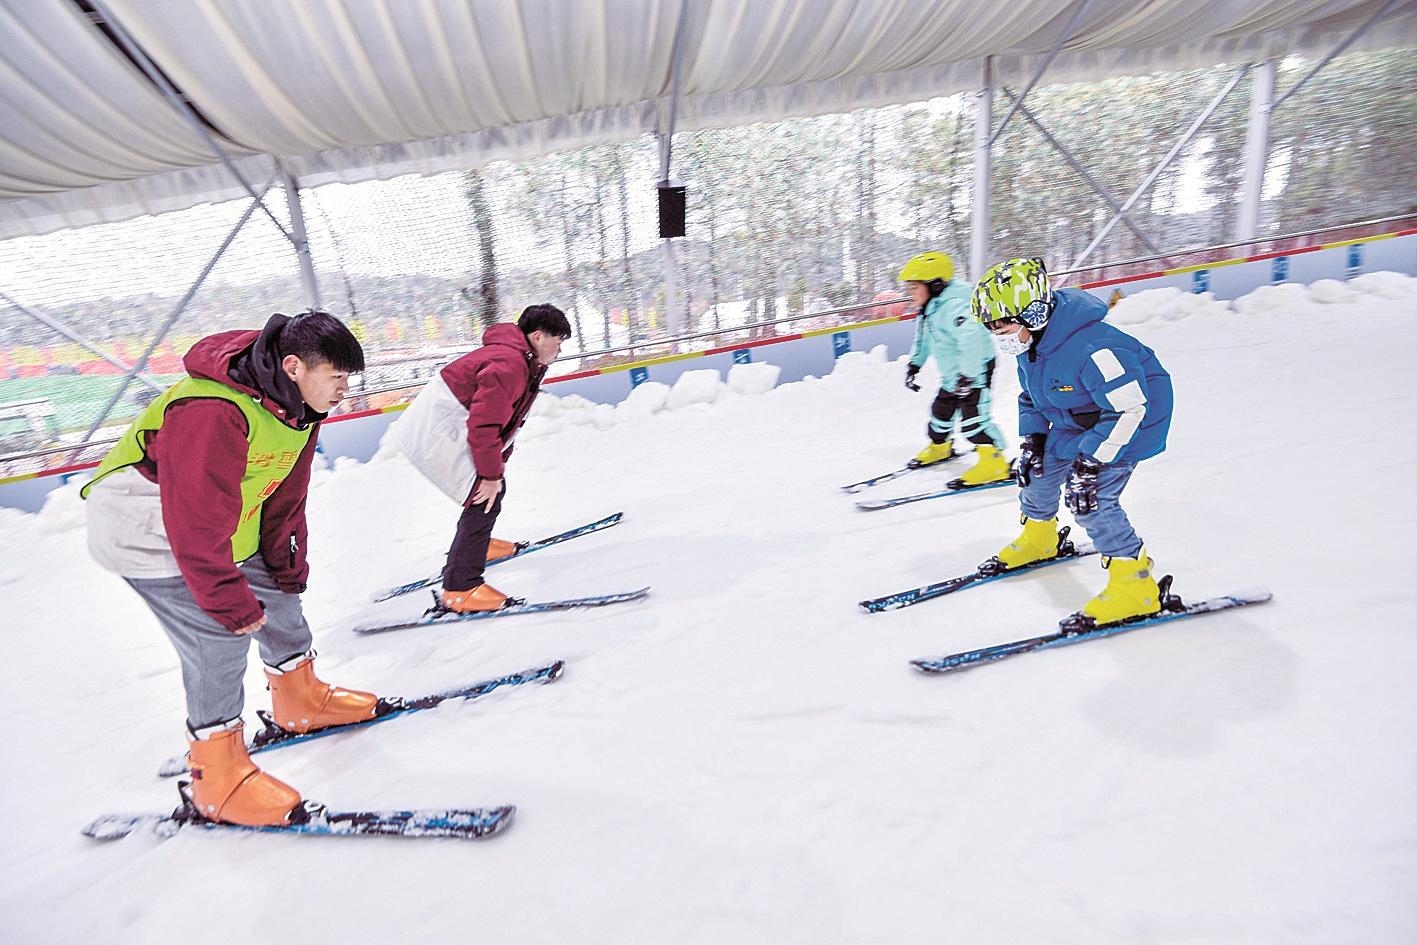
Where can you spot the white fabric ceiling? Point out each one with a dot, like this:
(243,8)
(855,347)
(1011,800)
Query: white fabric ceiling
(348,90)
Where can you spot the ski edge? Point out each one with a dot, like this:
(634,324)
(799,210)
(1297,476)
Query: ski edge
(534,607)
(970,658)
(580,531)
(177,765)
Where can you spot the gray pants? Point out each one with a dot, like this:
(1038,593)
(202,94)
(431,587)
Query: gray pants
(213,658)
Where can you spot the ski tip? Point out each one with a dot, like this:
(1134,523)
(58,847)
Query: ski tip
(114,826)
(173,766)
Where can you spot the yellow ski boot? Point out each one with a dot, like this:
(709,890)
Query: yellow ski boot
(932,454)
(990,467)
(1038,542)
(1131,591)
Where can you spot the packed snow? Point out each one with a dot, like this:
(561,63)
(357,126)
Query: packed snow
(746,757)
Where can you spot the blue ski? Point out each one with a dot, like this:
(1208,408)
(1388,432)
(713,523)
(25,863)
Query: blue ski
(522,549)
(474,824)
(955,487)
(273,736)
(1174,611)
(905,470)
(1066,552)
(437,617)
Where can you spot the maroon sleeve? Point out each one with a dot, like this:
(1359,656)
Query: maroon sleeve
(491,407)
(283,530)
(203,458)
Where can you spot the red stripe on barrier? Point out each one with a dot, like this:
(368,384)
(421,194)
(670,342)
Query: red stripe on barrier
(573,377)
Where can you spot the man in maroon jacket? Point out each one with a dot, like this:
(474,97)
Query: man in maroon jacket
(496,384)
(200,507)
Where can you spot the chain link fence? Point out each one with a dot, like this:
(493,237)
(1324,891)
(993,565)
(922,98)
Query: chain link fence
(810,215)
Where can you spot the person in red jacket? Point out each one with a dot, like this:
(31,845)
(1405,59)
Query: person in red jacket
(489,391)
(200,507)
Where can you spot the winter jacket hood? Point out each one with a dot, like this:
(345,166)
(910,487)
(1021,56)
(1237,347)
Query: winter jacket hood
(250,362)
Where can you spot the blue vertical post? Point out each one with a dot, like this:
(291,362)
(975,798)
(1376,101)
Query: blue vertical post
(743,356)
(1279,270)
(638,375)
(1355,260)
(1200,281)
(841,343)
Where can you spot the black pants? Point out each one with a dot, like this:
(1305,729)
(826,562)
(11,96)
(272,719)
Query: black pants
(467,558)
(972,408)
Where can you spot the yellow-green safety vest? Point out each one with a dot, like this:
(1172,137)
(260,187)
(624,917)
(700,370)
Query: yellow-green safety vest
(273,449)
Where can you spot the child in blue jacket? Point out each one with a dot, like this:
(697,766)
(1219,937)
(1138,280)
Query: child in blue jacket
(1095,402)
(962,351)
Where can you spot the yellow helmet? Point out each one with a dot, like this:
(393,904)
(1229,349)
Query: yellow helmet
(927,267)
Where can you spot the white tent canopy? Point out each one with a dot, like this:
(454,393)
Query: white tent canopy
(351,90)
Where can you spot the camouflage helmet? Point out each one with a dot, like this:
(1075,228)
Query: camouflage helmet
(1014,290)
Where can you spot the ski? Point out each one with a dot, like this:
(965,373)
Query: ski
(1067,551)
(316,820)
(955,487)
(437,615)
(1172,609)
(273,736)
(524,548)
(905,470)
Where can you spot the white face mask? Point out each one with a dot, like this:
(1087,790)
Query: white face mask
(1011,346)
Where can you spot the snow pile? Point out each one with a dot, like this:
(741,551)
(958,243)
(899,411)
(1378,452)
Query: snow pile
(754,378)
(1168,304)
(648,398)
(1333,292)
(746,757)
(1387,285)
(694,387)
(1284,300)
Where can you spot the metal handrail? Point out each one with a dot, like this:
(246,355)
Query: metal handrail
(860,306)
(1258,239)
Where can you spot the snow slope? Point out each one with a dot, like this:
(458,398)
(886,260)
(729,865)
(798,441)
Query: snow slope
(746,757)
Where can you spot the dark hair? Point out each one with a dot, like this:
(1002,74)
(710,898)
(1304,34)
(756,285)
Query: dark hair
(320,338)
(547,318)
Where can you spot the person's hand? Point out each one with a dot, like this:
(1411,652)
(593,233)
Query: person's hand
(251,628)
(1030,457)
(1081,491)
(910,371)
(486,493)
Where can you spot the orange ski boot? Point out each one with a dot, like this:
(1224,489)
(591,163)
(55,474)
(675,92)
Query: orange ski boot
(497,549)
(228,787)
(483,597)
(302,702)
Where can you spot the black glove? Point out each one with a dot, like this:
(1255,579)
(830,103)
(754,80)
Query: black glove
(910,371)
(1030,457)
(963,385)
(1081,491)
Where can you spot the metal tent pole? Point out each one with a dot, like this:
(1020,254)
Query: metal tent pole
(78,339)
(176,312)
(1338,50)
(302,245)
(1063,37)
(1171,155)
(1256,150)
(1082,171)
(175,99)
(979,208)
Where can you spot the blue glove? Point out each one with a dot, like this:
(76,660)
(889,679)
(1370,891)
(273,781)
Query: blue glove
(1081,491)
